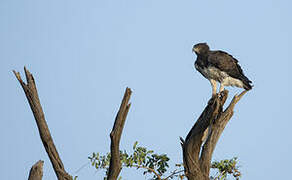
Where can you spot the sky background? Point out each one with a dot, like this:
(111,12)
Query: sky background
(83,54)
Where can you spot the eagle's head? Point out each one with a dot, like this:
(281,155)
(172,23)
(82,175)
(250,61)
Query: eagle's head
(201,48)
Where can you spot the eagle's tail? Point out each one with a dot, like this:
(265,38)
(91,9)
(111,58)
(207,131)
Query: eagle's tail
(247,84)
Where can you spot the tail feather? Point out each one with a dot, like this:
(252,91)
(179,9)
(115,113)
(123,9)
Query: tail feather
(247,84)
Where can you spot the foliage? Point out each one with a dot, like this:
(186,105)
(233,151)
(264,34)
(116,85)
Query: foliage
(141,158)
(226,167)
(157,165)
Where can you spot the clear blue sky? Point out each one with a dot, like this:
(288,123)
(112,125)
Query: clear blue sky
(84,54)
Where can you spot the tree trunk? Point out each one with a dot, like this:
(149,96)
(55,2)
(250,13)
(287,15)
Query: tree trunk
(197,152)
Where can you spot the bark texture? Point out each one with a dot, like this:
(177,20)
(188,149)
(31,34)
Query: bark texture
(115,135)
(197,149)
(36,171)
(47,140)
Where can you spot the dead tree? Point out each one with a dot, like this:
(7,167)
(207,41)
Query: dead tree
(200,142)
(36,171)
(197,152)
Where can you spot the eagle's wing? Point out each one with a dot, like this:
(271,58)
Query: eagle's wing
(225,62)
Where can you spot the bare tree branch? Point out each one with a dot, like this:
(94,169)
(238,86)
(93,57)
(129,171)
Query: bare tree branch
(36,171)
(35,105)
(175,172)
(149,169)
(197,160)
(115,135)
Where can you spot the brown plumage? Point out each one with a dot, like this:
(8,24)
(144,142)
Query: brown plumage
(221,67)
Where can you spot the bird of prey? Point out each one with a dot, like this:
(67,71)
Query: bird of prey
(219,66)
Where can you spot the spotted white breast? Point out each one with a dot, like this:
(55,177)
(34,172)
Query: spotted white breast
(220,76)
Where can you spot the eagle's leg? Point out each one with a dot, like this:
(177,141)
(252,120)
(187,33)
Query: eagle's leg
(221,87)
(214,87)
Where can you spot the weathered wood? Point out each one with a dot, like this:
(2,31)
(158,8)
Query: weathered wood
(36,171)
(115,135)
(197,154)
(47,140)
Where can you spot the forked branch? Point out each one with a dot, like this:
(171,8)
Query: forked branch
(35,105)
(197,159)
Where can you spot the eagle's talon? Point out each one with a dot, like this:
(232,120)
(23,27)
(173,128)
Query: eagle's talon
(220,94)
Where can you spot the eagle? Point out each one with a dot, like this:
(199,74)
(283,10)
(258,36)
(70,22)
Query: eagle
(219,66)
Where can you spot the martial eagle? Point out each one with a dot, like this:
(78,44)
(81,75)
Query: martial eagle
(219,66)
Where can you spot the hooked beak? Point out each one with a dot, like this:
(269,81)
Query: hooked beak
(195,50)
